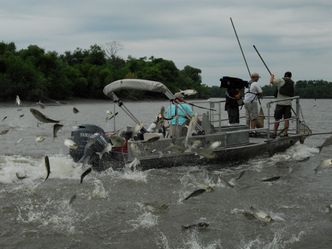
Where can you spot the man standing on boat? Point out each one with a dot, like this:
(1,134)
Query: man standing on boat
(283,108)
(234,88)
(178,114)
(253,92)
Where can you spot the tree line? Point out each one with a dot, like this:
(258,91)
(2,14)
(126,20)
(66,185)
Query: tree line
(35,74)
(311,89)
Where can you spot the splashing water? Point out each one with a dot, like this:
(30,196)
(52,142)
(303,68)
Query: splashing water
(278,242)
(34,169)
(296,152)
(193,242)
(130,172)
(57,215)
(146,220)
(163,241)
(99,190)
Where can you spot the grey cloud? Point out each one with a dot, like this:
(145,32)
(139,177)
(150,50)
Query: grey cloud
(290,34)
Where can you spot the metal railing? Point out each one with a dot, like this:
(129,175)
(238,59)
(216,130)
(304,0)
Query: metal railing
(219,116)
(296,112)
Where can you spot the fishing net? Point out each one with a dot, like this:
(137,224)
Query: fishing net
(304,129)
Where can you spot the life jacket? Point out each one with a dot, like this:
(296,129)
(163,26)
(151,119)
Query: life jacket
(288,88)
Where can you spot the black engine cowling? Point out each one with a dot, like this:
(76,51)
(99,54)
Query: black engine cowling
(82,134)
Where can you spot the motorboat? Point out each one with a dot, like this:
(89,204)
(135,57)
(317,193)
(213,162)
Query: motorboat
(209,139)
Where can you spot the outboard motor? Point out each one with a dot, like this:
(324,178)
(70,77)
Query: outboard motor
(96,143)
(81,135)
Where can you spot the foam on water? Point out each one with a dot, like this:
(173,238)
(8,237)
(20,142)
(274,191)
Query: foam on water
(99,190)
(163,241)
(193,242)
(201,179)
(145,220)
(130,172)
(297,152)
(58,215)
(34,169)
(278,242)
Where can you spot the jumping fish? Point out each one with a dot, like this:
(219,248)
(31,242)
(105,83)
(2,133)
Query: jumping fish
(19,140)
(325,164)
(240,175)
(88,151)
(188,92)
(107,149)
(150,137)
(75,110)
(261,215)
(327,142)
(20,177)
(137,128)
(4,118)
(40,104)
(117,141)
(328,208)
(41,117)
(230,183)
(206,153)
(110,116)
(199,192)
(200,225)
(47,166)
(18,101)
(177,149)
(215,145)
(39,139)
(72,199)
(260,118)
(271,179)
(156,207)
(85,173)
(135,149)
(70,144)
(3,132)
(191,129)
(56,128)
(22,115)
(196,144)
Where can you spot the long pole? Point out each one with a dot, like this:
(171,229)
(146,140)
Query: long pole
(238,40)
(262,60)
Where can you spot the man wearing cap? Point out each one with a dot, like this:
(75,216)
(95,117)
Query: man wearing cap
(178,114)
(283,108)
(253,92)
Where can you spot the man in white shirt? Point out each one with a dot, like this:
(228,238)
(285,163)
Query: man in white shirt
(253,92)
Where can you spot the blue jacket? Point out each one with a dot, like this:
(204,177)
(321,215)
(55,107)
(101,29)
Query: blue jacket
(182,110)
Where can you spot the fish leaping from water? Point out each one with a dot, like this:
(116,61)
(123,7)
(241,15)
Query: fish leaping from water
(41,117)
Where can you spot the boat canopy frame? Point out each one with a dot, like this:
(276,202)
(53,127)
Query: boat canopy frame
(137,84)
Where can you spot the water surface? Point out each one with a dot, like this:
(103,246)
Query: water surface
(134,209)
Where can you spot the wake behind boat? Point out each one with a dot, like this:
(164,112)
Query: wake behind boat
(206,141)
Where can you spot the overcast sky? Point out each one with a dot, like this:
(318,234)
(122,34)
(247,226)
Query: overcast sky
(290,35)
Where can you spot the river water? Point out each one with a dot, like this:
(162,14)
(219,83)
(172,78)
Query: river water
(135,209)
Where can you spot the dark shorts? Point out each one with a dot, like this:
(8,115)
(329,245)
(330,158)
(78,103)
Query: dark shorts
(282,111)
(233,115)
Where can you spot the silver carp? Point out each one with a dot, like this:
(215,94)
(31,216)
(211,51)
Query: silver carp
(41,117)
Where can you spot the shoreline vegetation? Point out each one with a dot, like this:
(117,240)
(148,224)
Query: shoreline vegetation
(35,74)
